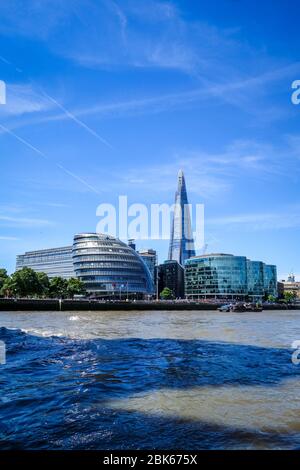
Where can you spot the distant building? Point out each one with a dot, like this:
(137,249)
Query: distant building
(131,243)
(149,257)
(291,285)
(53,262)
(280,289)
(224,276)
(171,275)
(181,240)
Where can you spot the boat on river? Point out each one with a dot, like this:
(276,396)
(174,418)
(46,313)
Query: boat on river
(241,307)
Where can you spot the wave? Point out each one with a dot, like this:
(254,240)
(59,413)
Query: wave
(57,392)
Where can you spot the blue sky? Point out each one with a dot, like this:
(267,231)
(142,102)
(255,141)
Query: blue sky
(106,98)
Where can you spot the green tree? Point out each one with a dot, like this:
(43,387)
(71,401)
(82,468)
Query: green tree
(9,287)
(22,283)
(44,284)
(75,287)
(289,297)
(271,298)
(58,287)
(3,277)
(166,294)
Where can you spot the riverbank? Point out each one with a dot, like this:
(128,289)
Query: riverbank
(93,305)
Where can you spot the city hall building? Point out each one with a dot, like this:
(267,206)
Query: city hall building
(106,265)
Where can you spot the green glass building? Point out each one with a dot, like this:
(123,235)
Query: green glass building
(224,276)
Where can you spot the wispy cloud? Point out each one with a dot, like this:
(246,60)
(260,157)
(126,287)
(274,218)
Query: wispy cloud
(284,218)
(148,33)
(42,154)
(4,238)
(211,174)
(24,99)
(231,92)
(9,221)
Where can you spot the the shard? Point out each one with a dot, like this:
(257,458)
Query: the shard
(181,241)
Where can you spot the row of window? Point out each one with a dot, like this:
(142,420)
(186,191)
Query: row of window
(119,272)
(113,279)
(90,258)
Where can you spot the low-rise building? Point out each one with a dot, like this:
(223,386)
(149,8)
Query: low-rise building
(291,285)
(171,275)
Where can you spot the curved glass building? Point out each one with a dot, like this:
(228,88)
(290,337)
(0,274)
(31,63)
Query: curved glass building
(216,276)
(110,268)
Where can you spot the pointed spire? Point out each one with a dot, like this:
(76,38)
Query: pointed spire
(181,240)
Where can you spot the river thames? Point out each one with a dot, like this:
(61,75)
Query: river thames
(149,380)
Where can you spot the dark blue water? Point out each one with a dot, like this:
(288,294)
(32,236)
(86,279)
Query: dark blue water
(56,392)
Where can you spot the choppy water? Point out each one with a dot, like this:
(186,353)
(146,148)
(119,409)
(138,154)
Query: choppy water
(134,380)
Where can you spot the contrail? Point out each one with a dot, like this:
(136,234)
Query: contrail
(42,154)
(78,121)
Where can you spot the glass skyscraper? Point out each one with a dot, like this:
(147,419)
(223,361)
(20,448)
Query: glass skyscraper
(181,241)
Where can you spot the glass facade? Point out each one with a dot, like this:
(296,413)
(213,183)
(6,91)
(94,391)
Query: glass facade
(223,276)
(216,276)
(150,259)
(181,242)
(53,262)
(270,279)
(109,267)
(255,276)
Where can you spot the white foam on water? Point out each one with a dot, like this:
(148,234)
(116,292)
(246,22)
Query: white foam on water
(74,318)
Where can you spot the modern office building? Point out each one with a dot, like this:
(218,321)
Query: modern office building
(224,276)
(255,279)
(270,280)
(216,276)
(149,257)
(107,266)
(53,262)
(110,268)
(181,240)
(171,274)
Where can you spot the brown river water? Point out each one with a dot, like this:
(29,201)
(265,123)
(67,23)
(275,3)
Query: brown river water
(152,379)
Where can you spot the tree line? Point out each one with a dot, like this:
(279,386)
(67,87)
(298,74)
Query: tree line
(28,283)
